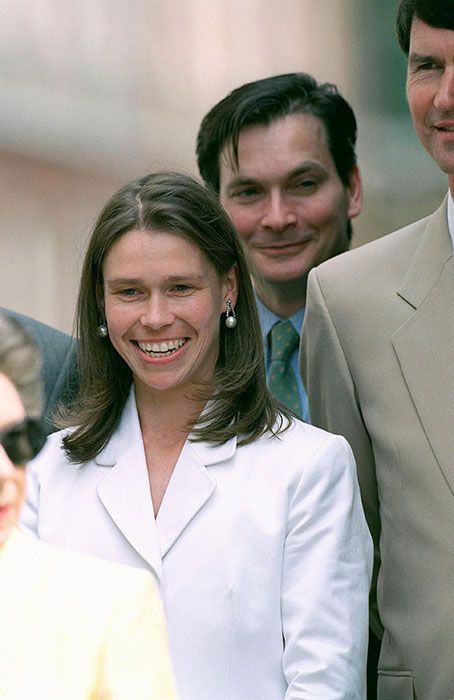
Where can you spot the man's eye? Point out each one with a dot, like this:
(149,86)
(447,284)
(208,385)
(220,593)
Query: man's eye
(182,288)
(428,65)
(128,292)
(246,193)
(304,185)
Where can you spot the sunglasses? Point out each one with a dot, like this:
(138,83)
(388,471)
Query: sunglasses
(23,440)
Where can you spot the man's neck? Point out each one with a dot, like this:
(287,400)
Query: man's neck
(283,299)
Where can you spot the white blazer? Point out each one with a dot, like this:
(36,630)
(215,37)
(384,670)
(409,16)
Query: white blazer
(262,553)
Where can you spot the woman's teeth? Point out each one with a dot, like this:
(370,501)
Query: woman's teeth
(161,349)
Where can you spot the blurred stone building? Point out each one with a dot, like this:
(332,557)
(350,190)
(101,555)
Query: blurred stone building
(97,92)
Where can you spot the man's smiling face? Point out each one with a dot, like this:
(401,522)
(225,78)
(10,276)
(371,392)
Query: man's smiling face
(286,198)
(430,91)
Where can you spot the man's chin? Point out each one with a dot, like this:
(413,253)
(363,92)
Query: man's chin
(277,282)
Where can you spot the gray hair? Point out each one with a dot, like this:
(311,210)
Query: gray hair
(20,361)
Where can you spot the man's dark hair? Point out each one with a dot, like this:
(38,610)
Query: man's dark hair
(435,13)
(263,102)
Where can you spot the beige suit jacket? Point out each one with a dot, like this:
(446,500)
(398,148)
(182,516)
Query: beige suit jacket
(378,362)
(77,628)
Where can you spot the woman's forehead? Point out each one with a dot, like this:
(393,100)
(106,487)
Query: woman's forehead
(154,248)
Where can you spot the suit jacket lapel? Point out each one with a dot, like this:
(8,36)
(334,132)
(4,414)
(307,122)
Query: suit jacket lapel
(432,253)
(125,490)
(425,343)
(189,489)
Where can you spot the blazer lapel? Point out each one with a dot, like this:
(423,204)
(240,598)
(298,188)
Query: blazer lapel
(432,253)
(425,343)
(189,489)
(125,490)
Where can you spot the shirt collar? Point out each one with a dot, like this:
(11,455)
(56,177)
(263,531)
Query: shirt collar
(268,318)
(451,217)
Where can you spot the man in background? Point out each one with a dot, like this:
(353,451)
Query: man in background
(378,363)
(280,153)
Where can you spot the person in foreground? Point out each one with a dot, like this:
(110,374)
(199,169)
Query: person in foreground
(378,359)
(72,627)
(180,461)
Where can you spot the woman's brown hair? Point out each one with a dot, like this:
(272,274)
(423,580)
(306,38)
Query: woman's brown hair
(179,204)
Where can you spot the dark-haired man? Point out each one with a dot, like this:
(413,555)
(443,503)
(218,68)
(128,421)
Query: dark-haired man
(378,360)
(280,152)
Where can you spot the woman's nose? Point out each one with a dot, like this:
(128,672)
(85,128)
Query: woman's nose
(158,312)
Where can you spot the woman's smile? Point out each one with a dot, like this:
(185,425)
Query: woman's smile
(162,350)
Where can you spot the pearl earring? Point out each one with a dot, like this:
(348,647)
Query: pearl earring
(230,317)
(102,329)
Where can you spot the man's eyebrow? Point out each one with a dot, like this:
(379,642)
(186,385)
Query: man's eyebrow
(306,167)
(417,58)
(302,169)
(240,181)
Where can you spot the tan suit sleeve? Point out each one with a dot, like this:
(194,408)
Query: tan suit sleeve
(135,660)
(333,406)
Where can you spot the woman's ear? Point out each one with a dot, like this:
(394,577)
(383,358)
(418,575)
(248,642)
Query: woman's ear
(230,285)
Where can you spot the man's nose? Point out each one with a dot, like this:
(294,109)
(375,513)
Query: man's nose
(444,97)
(279,213)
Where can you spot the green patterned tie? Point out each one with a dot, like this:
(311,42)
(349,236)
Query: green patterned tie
(281,378)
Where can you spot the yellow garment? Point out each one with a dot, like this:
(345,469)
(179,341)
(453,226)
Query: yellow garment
(77,628)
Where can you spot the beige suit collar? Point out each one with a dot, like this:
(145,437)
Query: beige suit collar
(424,344)
(433,252)
(125,490)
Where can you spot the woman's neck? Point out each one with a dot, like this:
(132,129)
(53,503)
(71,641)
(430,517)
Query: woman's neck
(165,415)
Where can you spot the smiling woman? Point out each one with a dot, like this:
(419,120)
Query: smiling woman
(164,320)
(181,462)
